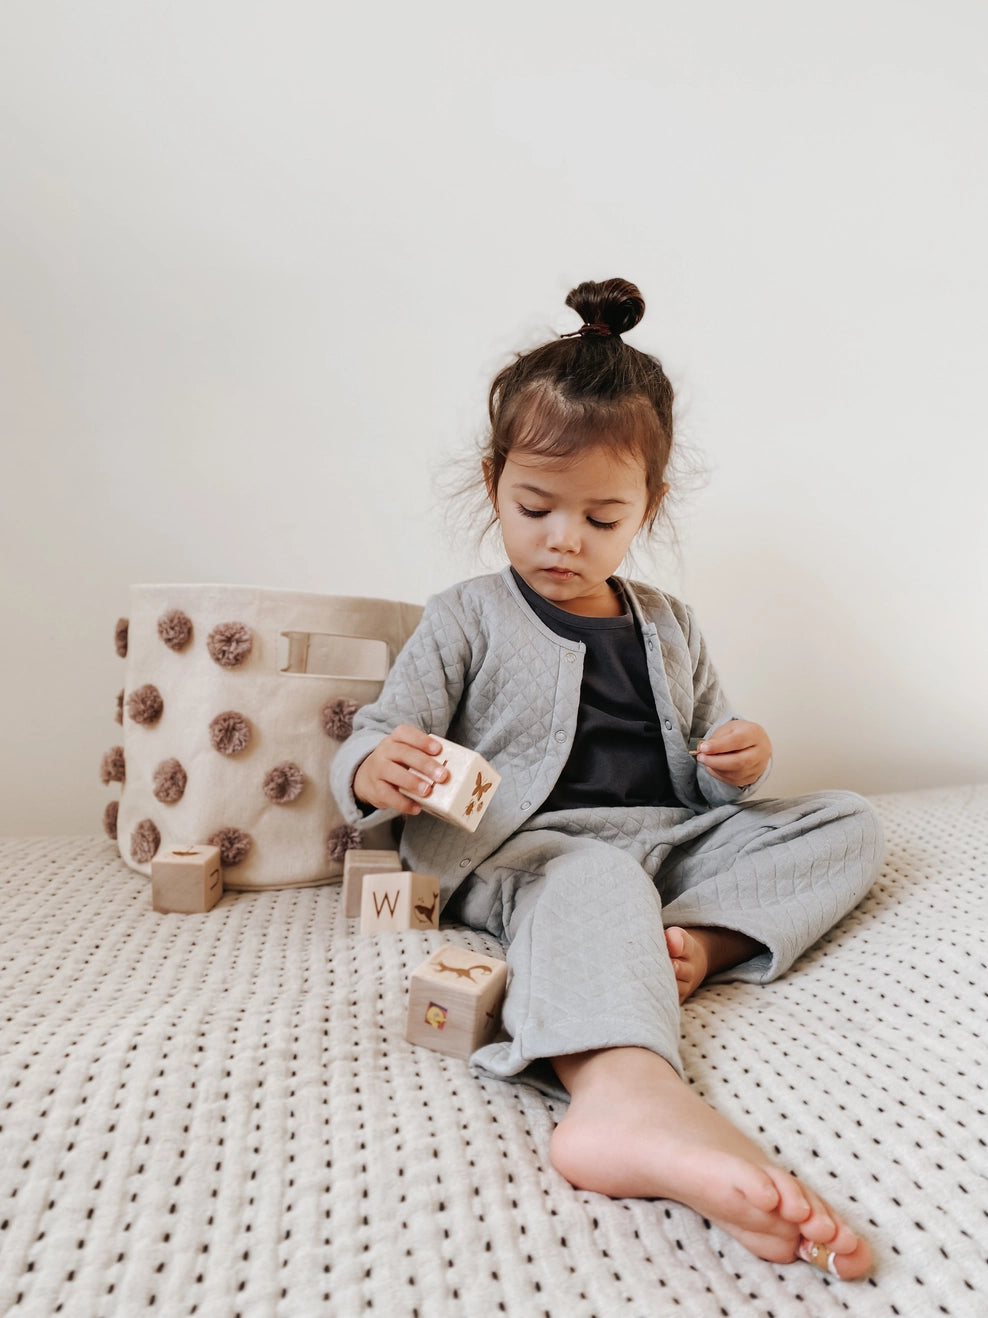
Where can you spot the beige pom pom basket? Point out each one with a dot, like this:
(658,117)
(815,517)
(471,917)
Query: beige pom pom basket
(235,702)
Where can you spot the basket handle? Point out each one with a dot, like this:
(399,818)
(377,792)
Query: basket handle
(326,654)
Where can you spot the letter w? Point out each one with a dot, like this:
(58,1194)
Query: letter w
(389,899)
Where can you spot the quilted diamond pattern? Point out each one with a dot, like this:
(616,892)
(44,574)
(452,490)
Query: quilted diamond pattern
(584,897)
(569,990)
(482,669)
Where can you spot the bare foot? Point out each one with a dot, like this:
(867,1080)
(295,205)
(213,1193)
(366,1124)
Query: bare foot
(634,1129)
(697,953)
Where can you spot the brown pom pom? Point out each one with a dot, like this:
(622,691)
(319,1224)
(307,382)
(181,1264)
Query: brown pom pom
(168,782)
(284,783)
(120,637)
(342,839)
(113,768)
(229,732)
(110,819)
(175,629)
(233,843)
(337,718)
(144,842)
(145,705)
(229,644)
(120,708)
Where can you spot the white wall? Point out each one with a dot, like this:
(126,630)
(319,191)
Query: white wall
(258,262)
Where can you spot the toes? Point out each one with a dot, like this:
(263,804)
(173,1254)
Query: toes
(758,1186)
(854,1263)
(675,942)
(793,1203)
(844,1240)
(773,1248)
(824,1239)
(822,1225)
(830,1244)
(819,1256)
(847,1264)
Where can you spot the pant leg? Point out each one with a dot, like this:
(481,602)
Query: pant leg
(783,872)
(582,924)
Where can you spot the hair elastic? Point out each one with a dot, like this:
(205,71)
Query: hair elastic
(597,328)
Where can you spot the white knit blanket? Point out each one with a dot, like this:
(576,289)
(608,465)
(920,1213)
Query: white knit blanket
(218,1115)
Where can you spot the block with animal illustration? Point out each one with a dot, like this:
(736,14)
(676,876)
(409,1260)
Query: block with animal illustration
(454,1001)
(402,900)
(358,863)
(187,880)
(466,793)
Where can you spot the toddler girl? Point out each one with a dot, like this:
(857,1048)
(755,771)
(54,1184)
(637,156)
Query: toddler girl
(621,861)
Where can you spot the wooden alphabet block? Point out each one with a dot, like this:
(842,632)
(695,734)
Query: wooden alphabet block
(466,793)
(188,880)
(356,864)
(399,901)
(454,1001)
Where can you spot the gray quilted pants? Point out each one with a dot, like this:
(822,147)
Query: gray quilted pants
(580,899)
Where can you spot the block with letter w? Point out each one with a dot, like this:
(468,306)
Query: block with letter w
(399,901)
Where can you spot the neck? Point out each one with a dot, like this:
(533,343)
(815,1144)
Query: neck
(607,605)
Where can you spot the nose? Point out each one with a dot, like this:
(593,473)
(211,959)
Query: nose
(562,533)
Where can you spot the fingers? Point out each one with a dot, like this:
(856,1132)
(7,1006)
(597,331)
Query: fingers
(386,797)
(734,736)
(721,743)
(736,769)
(416,751)
(736,753)
(404,761)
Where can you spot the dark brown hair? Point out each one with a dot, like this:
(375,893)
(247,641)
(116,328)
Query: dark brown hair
(585,390)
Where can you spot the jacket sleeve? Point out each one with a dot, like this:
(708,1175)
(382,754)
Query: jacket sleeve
(710,712)
(423,688)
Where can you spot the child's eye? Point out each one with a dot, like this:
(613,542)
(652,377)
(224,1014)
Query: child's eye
(544,512)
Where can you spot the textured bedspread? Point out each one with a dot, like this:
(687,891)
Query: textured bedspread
(218,1114)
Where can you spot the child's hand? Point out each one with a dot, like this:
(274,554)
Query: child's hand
(737,753)
(401,762)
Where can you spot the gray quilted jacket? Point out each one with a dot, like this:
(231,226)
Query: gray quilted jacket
(482,669)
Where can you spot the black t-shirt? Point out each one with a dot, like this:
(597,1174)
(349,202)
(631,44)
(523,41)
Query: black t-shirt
(618,757)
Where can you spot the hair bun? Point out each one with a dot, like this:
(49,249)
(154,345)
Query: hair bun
(615,303)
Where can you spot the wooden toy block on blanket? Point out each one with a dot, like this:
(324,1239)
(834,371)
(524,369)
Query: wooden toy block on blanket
(187,880)
(454,1001)
(399,901)
(358,863)
(463,797)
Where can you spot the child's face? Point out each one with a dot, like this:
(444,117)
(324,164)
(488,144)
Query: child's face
(568,523)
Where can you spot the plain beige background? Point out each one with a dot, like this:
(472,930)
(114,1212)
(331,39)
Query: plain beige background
(258,262)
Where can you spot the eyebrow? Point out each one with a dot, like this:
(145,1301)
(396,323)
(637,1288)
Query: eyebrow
(547,494)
